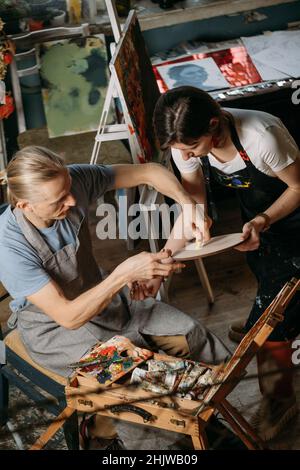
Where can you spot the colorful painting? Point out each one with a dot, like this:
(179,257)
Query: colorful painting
(74,76)
(138,86)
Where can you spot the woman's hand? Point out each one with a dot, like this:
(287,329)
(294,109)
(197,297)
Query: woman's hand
(207,225)
(136,290)
(146,266)
(195,223)
(205,235)
(251,231)
(152,287)
(142,290)
(193,219)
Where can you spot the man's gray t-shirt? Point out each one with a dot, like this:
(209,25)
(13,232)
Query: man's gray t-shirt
(21,269)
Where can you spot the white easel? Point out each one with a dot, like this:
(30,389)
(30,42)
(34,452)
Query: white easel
(148,196)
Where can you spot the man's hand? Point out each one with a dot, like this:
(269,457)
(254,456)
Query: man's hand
(146,266)
(251,236)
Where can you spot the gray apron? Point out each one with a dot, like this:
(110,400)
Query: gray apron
(75,270)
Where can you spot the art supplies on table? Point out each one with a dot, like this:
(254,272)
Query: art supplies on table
(211,247)
(183,378)
(107,362)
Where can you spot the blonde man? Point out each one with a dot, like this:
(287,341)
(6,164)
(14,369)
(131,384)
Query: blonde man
(63,303)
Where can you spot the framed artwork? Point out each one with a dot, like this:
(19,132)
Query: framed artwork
(138,89)
(200,73)
(74,75)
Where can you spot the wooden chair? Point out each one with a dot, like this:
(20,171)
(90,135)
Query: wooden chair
(170,412)
(18,367)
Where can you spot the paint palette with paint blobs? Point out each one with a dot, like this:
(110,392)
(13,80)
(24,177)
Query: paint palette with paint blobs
(107,362)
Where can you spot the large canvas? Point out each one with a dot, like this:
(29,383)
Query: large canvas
(137,85)
(74,76)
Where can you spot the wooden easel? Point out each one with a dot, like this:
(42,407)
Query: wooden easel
(176,414)
(148,196)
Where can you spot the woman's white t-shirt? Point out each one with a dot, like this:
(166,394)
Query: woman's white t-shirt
(266,140)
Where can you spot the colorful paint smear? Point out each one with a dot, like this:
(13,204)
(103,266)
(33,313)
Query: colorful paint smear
(139,87)
(109,361)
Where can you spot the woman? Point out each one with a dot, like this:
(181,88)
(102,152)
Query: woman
(254,153)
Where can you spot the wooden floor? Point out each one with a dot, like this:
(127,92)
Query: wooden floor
(234,288)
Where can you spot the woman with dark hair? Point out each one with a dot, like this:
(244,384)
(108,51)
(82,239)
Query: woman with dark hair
(254,153)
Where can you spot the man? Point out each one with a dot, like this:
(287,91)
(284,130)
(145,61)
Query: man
(63,302)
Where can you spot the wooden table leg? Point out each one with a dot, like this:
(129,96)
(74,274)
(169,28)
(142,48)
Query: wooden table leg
(236,427)
(244,424)
(200,442)
(52,429)
(204,280)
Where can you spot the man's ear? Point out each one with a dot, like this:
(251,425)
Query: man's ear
(214,124)
(24,205)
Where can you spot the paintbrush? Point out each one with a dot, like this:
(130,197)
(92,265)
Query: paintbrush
(89,363)
(103,362)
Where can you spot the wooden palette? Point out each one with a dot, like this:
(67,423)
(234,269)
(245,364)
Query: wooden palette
(114,370)
(213,246)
